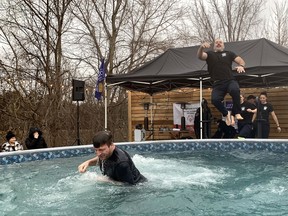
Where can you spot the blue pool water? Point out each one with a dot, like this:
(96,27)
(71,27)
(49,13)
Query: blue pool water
(186,183)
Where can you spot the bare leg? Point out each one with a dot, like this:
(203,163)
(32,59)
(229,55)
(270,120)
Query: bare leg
(232,120)
(228,118)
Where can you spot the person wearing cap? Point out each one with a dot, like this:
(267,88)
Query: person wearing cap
(251,99)
(248,112)
(35,139)
(11,144)
(114,162)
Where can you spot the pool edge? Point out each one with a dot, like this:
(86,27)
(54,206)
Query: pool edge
(269,145)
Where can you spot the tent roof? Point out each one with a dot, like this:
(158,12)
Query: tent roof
(266,66)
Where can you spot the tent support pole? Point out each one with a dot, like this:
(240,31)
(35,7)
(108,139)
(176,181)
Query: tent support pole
(151,113)
(201,116)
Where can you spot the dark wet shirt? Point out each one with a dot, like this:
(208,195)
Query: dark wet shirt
(120,167)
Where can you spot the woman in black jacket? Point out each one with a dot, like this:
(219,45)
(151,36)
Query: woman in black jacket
(35,139)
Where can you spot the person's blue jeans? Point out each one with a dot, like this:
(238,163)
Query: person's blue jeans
(220,89)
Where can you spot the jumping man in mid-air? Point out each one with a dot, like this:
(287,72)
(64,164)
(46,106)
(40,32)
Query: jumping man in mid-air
(219,64)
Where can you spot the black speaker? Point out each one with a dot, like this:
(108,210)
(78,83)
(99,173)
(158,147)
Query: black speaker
(78,93)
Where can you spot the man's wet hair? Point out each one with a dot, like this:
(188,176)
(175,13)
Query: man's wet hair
(102,138)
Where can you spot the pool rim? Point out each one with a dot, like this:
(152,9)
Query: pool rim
(270,145)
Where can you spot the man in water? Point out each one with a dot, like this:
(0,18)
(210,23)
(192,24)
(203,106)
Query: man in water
(113,162)
(220,69)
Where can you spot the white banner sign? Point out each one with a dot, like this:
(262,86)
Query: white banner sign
(189,113)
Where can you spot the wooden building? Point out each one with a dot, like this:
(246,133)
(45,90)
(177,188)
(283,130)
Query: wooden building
(160,113)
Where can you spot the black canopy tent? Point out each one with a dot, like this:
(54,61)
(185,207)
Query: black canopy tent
(266,66)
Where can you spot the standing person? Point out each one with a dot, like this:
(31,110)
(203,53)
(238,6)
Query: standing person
(248,112)
(35,139)
(251,99)
(11,144)
(206,121)
(113,162)
(220,69)
(224,131)
(263,110)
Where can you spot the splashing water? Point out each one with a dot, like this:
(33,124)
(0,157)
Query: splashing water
(202,183)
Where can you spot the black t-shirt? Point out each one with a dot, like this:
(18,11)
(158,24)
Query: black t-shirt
(120,167)
(263,111)
(220,65)
(247,116)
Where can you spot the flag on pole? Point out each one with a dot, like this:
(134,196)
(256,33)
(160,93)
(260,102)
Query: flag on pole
(100,82)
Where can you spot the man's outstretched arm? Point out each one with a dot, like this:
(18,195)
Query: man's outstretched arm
(200,53)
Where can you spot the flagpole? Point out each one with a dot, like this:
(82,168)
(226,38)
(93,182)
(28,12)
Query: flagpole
(100,87)
(106,105)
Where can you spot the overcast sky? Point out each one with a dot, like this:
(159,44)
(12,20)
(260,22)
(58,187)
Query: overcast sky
(270,6)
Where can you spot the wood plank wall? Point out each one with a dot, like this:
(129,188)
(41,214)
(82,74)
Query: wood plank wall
(161,112)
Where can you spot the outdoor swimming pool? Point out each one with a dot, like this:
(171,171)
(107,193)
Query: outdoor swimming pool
(186,182)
